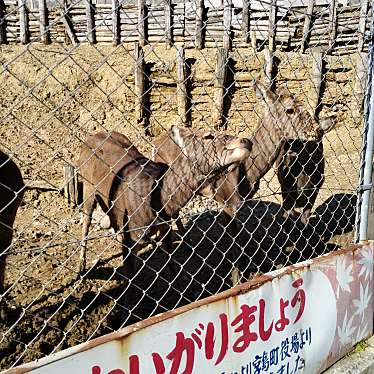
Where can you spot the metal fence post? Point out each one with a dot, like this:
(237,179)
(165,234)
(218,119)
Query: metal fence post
(366,167)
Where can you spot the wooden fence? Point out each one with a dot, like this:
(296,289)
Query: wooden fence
(330,26)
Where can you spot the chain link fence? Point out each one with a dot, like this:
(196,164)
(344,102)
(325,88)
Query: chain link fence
(228,145)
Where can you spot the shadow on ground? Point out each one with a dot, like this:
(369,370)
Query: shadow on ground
(203,260)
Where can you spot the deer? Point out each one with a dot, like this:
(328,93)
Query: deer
(300,170)
(141,196)
(284,119)
(12,189)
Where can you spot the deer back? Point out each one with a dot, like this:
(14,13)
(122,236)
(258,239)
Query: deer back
(101,158)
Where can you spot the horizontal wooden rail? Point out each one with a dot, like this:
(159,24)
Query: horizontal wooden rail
(330,26)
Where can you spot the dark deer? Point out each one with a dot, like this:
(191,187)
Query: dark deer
(284,119)
(11,193)
(300,171)
(141,196)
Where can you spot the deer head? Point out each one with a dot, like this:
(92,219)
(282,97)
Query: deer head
(211,151)
(288,117)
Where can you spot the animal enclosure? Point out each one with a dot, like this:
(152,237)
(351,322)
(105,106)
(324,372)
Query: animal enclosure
(239,133)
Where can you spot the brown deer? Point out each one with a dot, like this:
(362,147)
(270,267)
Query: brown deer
(284,119)
(141,196)
(300,171)
(12,189)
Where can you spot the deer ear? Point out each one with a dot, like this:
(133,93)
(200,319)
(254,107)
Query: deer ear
(175,134)
(327,124)
(264,93)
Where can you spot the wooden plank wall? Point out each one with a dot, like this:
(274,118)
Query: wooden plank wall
(341,28)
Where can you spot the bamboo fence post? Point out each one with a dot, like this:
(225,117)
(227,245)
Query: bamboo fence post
(269,60)
(116,28)
(168,22)
(90,15)
(181,87)
(253,39)
(67,24)
(269,52)
(272,25)
(3,39)
(333,23)
(360,87)
(317,78)
(139,83)
(71,185)
(43,20)
(220,87)
(362,24)
(199,28)
(23,22)
(246,20)
(227,16)
(307,24)
(142,22)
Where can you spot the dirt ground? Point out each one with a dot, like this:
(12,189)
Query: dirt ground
(52,97)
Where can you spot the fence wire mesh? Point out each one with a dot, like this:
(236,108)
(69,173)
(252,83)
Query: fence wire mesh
(227,145)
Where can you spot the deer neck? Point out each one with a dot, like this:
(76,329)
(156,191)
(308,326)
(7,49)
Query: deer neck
(267,141)
(179,185)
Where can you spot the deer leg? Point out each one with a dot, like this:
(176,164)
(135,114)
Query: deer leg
(232,229)
(231,223)
(88,208)
(4,247)
(167,242)
(181,228)
(6,239)
(129,264)
(3,306)
(288,225)
(6,233)
(2,272)
(127,248)
(129,254)
(131,294)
